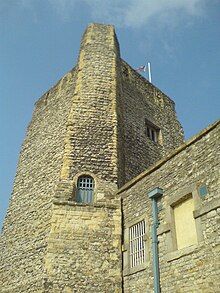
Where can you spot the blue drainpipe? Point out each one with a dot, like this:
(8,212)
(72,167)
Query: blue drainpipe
(154,195)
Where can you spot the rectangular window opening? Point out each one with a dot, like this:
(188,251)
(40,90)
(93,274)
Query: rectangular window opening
(137,244)
(152,131)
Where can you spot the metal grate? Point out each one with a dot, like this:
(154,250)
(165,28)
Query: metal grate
(137,244)
(85,189)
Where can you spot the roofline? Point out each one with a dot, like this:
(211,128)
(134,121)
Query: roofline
(161,162)
(52,87)
(147,81)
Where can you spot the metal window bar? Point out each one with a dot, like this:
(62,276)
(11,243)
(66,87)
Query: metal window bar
(137,244)
(152,133)
(85,189)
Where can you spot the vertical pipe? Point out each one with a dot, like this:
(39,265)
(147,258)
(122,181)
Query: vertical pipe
(154,195)
(155,247)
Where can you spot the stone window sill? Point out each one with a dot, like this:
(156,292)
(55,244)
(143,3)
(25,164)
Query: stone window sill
(134,270)
(86,205)
(180,253)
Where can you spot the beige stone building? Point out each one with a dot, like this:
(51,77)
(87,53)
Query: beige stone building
(108,197)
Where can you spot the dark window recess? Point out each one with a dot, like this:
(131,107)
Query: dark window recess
(85,189)
(152,131)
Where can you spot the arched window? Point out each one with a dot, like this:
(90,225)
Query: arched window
(85,189)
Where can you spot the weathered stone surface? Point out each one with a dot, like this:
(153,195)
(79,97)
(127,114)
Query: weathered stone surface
(142,100)
(84,248)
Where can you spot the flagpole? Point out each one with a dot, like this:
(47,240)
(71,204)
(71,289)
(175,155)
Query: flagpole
(149,71)
(144,68)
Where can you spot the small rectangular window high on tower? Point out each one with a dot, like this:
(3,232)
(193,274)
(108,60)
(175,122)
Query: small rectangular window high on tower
(152,131)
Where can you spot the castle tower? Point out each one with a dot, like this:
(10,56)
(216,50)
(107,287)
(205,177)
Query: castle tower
(98,127)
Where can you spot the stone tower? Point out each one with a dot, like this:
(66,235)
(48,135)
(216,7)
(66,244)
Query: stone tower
(98,127)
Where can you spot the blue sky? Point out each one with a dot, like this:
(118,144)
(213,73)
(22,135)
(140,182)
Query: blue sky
(39,43)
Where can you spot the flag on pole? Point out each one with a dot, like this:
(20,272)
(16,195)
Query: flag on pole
(141,68)
(145,68)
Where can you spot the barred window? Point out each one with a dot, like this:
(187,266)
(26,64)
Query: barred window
(137,244)
(85,189)
(152,131)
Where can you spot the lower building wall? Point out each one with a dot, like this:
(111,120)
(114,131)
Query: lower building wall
(30,285)
(193,172)
(196,268)
(84,248)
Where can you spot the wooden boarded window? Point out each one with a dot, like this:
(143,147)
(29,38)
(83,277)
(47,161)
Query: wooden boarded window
(85,189)
(137,244)
(185,225)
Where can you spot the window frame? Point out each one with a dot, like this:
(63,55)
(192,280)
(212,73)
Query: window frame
(153,132)
(182,201)
(180,196)
(84,183)
(127,269)
(137,245)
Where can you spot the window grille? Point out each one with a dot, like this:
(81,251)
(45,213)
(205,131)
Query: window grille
(85,189)
(137,244)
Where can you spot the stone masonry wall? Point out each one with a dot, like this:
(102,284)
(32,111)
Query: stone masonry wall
(92,130)
(84,245)
(194,268)
(27,223)
(84,248)
(142,100)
